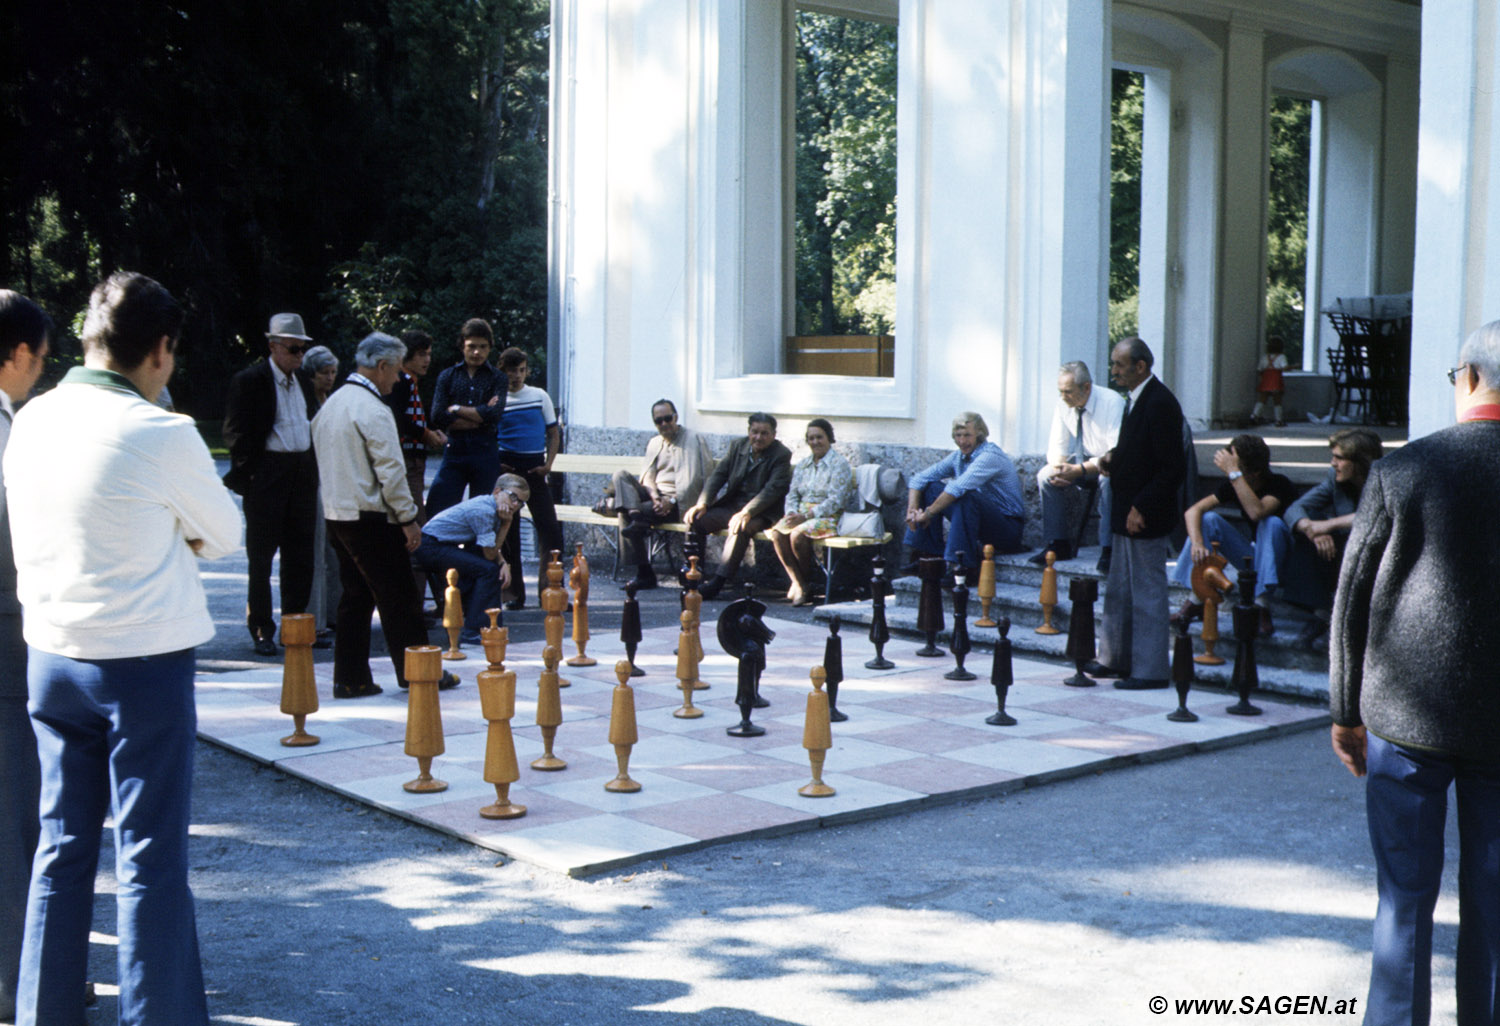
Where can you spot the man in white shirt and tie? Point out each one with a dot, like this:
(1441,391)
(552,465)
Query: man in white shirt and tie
(1085,425)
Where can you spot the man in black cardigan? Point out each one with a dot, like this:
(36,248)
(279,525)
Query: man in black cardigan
(745,493)
(267,427)
(1415,696)
(1145,469)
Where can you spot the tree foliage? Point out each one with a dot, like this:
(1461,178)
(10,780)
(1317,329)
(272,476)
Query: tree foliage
(1286,221)
(370,164)
(846,175)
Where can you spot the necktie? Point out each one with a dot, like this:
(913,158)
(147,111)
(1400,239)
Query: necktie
(1079,453)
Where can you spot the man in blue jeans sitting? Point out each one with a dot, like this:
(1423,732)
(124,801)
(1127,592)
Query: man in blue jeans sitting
(482,521)
(976,490)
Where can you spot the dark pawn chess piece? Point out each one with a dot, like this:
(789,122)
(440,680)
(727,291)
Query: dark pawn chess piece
(1002,675)
(630,627)
(1182,672)
(960,644)
(930,603)
(880,633)
(1246,618)
(833,666)
(1083,592)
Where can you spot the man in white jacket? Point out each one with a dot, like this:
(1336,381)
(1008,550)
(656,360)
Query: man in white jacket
(372,519)
(112,501)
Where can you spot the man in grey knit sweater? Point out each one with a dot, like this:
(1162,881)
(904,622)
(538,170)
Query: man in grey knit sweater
(1415,691)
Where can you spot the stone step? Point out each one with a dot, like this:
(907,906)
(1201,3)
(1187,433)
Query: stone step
(1297,680)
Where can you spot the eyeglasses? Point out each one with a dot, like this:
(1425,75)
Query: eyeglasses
(1453,374)
(514,497)
(665,420)
(294,350)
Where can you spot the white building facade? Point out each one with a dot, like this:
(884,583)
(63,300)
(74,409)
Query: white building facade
(671,211)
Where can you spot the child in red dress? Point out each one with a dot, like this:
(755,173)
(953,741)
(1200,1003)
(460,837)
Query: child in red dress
(1269,385)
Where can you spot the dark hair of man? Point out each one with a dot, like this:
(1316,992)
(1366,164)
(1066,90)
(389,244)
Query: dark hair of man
(22,323)
(762,418)
(476,327)
(416,342)
(128,315)
(1275,344)
(822,425)
(1360,446)
(1254,454)
(1138,350)
(512,358)
(664,402)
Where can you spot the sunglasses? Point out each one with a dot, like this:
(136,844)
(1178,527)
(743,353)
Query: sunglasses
(295,350)
(1453,374)
(665,420)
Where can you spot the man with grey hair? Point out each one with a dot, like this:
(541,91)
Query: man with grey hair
(372,519)
(976,489)
(1085,425)
(1413,691)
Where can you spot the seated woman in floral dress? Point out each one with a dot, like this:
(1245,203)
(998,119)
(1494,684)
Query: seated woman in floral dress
(822,486)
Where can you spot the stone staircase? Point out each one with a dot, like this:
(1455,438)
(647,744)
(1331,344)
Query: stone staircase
(1282,667)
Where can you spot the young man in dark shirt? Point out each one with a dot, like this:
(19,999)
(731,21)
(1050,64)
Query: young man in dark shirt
(466,404)
(1262,497)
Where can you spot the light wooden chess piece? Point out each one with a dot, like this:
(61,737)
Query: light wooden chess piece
(424,720)
(687,669)
(1210,585)
(580,581)
(622,732)
(554,601)
(986,587)
(548,711)
(1049,596)
(497,702)
(692,602)
(817,737)
(299,695)
(453,616)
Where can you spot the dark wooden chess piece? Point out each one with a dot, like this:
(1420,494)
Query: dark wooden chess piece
(1002,675)
(744,635)
(1083,592)
(960,646)
(930,603)
(880,633)
(833,666)
(1246,619)
(1182,672)
(630,627)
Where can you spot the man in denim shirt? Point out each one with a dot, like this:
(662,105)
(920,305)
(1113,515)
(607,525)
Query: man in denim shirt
(976,489)
(483,521)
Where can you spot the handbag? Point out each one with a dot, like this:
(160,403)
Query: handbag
(861,525)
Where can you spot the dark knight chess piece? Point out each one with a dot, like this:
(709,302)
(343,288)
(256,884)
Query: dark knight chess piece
(630,627)
(1246,629)
(1182,672)
(1083,592)
(930,603)
(961,644)
(744,635)
(1002,675)
(880,633)
(833,666)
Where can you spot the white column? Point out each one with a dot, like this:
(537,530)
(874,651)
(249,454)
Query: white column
(1457,277)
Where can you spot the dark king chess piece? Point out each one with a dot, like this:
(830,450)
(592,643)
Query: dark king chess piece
(880,633)
(1246,618)
(1083,592)
(1002,675)
(930,603)
(833,666)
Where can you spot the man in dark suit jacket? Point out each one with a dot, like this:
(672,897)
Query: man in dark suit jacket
(24,330)
(1414,695)
(267,427)
(745,493)
(1145,470)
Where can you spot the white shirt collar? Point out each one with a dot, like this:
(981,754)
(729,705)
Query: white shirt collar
(1135,393)
(6,405)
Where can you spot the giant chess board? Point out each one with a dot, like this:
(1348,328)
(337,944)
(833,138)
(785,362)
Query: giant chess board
(912,738)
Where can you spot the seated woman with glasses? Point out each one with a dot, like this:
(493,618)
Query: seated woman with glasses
(483,522)
(822,486)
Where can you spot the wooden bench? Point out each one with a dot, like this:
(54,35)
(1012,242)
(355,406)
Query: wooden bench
(590,463)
